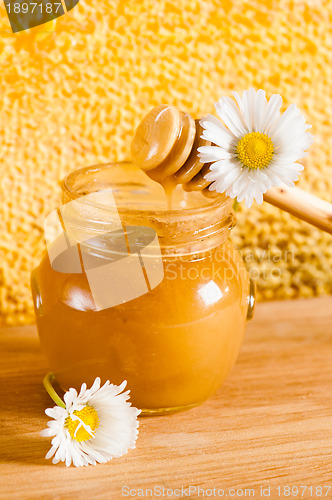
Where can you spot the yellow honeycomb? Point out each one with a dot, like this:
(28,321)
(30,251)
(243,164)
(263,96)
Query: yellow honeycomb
(73,96)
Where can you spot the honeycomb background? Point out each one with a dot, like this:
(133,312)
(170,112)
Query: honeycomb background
(73,96)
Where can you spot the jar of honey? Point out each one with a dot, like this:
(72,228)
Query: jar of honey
(174,341)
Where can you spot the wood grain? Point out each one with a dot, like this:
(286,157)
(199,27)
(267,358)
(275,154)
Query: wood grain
(270,424)
(303,205)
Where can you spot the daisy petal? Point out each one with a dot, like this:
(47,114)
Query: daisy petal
(231,116)
(260,107)
(272,112)
(69,397)
(220,137)
(213,152)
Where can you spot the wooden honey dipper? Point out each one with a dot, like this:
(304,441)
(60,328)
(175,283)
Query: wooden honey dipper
(165,147)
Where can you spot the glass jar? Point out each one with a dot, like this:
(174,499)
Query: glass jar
(174,343)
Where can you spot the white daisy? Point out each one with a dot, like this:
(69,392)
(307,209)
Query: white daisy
(96,425)
(255,147)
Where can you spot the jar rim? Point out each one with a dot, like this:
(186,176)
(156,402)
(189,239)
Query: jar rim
(137,203)
(71,191)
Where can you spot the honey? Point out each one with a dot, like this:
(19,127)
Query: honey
(175,344)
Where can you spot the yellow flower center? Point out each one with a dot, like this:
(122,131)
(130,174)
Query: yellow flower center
(255,150)
(88,416)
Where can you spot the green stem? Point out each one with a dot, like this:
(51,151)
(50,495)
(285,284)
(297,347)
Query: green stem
(236,205)
(47,382)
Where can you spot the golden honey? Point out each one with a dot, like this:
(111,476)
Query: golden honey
(176,343)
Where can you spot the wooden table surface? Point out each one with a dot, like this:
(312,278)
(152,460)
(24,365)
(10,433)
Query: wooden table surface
(269,425)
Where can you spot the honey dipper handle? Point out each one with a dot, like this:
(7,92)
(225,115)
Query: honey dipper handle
(302,205)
